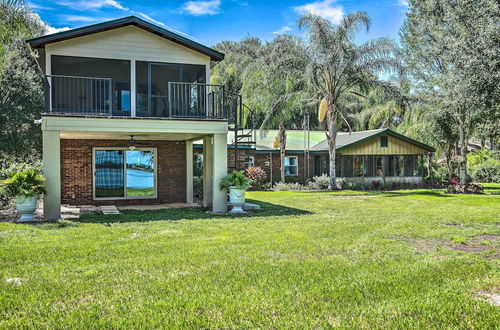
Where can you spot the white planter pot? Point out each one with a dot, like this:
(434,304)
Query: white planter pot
(26,206)
(237,199)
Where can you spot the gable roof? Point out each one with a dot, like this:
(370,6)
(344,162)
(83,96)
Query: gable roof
(346,140)
(40,42)
(318,142)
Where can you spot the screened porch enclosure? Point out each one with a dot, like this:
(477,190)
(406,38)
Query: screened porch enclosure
(351,166)
(95,86)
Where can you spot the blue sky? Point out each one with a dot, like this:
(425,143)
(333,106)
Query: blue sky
(211,21)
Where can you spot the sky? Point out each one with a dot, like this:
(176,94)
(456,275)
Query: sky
(212,21)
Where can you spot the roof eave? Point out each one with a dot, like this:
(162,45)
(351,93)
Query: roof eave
(40,42)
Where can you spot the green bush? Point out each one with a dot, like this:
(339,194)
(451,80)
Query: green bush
(280,186)
(26,183)
(319,182)
(236,179)
(487,171)
(8,171)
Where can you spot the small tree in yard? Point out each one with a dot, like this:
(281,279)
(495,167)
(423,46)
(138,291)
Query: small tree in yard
(273,86)
(338,66)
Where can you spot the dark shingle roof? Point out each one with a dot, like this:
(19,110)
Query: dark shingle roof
(40,42)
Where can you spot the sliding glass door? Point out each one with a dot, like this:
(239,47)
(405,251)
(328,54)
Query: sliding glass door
(121,173)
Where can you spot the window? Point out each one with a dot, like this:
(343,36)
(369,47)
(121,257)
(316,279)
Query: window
(152,86)
(369,168)
(249,161)
(121,173)
(91,93)
(358,165)
(379,166)
(346,166)
(384,141)
(399,165)
(291,165)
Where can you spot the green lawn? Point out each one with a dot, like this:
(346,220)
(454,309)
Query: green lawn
(308,259)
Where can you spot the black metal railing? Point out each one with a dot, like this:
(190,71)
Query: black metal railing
(78,95)
(75,95)
(193,100)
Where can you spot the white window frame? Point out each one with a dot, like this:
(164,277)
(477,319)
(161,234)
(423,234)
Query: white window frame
(296,165)
(155,158)
(252,160)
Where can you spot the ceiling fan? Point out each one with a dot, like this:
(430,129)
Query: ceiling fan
(133,143)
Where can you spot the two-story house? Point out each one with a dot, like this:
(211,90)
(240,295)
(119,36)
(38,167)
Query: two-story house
(125,99)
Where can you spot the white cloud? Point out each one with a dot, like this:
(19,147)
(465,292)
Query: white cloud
(325,8)
(50,29)
(35,6)
(198,8)
(85,19)
(282,30)
(403,3)
(92,4)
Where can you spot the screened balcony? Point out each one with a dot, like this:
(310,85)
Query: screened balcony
(103,87)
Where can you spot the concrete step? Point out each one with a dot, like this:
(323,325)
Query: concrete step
(109,209)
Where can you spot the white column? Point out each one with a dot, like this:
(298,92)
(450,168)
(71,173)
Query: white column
(189,171)
(219,168)
(133,94)
(207,171)
(52,173)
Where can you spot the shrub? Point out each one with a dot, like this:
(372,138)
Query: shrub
(488,171)
(198,188)
(280,186)
(376,184)
(257,175)
(7,172)
(26,183)
(319,182)
(236,179)
(342,183)
(470,188)
(395,185)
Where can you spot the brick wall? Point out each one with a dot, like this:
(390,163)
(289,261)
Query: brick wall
(76,172)
(264,161)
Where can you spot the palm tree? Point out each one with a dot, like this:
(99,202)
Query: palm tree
(273,86)
(338,67)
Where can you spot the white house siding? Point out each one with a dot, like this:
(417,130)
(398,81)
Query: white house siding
(127,43)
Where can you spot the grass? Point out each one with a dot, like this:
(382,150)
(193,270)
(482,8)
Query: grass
(307,260)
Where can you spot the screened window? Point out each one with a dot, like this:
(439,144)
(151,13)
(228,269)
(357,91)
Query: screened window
(384,141)
(399,165)
(152,85)
(122,173)
(347,166)
(249,161)
(369,166)
(88,94)
(291,165)
(379,166)
(358,165)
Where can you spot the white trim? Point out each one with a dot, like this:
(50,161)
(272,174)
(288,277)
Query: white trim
(155,157)
(296,165)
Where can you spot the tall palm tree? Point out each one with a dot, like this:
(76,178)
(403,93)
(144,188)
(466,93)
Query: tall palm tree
(274,86)
(338,66)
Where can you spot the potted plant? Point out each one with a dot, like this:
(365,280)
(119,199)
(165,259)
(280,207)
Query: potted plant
(237,184)
(25,186)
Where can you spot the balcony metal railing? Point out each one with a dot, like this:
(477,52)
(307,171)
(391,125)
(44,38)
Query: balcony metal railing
(74,95)
(78,95)
(193,100)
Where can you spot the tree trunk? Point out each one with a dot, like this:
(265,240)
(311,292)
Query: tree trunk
(463,153)
(282,138)
(448,165)
(332,143)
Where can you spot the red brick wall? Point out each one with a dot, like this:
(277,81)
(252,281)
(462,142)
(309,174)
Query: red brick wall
(260,159)
(76,172)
